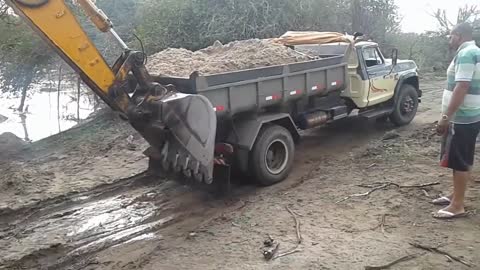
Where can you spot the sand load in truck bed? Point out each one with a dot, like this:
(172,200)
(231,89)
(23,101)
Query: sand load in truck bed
(218,58)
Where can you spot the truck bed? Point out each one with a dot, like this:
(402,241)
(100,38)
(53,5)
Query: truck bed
(257,89)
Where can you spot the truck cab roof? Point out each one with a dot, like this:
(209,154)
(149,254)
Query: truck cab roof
(362,44)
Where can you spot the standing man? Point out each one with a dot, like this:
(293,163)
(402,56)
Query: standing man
(460,121)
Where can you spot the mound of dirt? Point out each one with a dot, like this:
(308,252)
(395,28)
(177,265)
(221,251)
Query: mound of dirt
(11,143)
(219,58)
(100,151)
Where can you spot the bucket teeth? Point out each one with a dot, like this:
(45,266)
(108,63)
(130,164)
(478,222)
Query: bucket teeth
(166,165)
(187,173)
(173,158)
(179,161)
(198,177)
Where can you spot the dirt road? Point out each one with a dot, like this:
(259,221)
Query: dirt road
(144,222)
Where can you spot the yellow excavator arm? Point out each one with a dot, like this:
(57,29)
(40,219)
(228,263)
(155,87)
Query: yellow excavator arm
(164,117)
(56,24)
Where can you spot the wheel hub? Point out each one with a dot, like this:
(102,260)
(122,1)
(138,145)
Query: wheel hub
(408,105)
(276,157)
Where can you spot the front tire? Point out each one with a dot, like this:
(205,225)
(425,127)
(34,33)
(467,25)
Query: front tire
(406,106)
(272,155)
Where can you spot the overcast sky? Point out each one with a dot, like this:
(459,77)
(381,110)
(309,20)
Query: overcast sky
(416,16)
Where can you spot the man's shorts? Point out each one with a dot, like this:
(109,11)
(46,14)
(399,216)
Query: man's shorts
(458,146)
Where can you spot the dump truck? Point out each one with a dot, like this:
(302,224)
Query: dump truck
(204,125)
(261,111)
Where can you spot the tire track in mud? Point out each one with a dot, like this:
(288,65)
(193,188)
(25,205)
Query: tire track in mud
(55,204)
(64,231)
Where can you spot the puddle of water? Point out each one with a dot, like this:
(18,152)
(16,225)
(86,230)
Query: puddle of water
(119,237)
(108,215)
(42,119)
(148,236)
(88,226)
(81,198)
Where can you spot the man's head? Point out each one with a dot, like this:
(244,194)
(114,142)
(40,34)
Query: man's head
(460,34)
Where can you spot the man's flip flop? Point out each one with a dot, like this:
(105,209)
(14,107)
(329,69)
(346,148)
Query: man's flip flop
(442,201)
(442,214)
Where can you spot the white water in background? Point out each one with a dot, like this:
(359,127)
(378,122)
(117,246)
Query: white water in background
(42,119)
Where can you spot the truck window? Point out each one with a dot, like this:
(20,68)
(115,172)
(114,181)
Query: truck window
(372,57)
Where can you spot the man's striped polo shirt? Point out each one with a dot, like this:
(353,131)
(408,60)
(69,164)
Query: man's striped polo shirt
(465,67)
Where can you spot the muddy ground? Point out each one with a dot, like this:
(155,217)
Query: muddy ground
(72,203)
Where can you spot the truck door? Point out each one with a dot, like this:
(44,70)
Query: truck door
(381,80)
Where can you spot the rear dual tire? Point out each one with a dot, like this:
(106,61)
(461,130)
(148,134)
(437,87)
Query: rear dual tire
(271,159)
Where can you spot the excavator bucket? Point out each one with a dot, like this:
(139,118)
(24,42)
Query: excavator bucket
(182,134)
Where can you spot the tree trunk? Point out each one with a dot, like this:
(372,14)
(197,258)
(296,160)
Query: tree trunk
(26,85)
(50,86)
(58,96)
(357,16)
(79,85)
(24,125)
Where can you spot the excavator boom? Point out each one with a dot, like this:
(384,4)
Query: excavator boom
(180,127)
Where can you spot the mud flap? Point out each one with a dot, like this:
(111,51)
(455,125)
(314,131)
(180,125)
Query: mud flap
(221,179)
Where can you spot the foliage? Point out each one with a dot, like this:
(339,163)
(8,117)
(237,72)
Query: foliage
(122,14)
(194,24)
(466,13)
(23,57)
(375,18)
(430,50)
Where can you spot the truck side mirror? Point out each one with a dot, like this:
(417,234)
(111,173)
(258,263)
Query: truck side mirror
(394,57)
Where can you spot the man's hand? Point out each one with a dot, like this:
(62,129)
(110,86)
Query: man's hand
(442,127)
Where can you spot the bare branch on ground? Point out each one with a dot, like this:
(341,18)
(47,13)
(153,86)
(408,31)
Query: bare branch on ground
(296,249)
(379,186)
(441,252)
(387,266)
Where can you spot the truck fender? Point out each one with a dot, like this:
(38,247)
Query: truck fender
(409,78)
(245,131)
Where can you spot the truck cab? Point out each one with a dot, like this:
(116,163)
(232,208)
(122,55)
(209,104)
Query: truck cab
(377,84)
(374,78)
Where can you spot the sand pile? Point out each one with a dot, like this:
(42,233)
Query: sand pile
(219,58)
(10,143)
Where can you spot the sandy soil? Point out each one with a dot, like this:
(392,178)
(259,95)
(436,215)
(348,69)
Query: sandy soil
(143,222)
(218,58)
(96,152)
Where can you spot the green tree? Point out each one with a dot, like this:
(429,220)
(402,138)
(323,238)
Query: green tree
(194,24)
(430,49)
(23,57)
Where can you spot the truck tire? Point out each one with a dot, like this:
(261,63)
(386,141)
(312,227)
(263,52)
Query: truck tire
(272,155)
(406,106)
